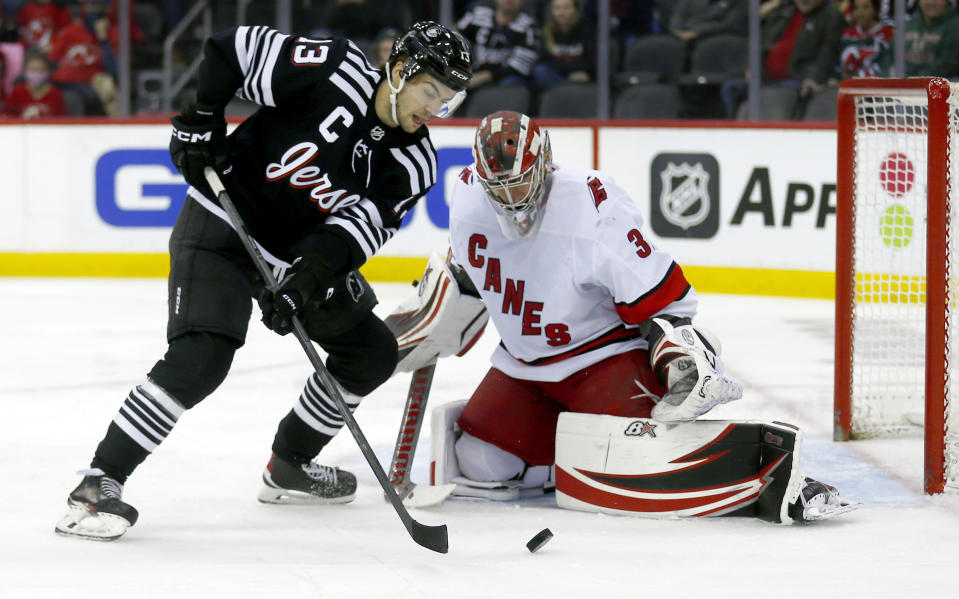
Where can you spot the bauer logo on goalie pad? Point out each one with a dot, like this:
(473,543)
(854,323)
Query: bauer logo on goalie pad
(638,428)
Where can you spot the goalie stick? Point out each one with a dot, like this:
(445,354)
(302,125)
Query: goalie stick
(414,495)
(434,538)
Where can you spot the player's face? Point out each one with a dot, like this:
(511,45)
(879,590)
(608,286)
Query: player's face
(422,98)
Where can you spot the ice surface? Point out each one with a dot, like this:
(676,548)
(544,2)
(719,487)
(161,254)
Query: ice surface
(72,349)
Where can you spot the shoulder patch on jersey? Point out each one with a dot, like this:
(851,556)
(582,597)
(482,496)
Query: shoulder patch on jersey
(465,175)
(596,190)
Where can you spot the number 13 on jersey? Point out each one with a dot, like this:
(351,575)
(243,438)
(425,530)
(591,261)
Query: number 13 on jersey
(307,51)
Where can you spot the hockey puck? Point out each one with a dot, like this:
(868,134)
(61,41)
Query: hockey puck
(537,542)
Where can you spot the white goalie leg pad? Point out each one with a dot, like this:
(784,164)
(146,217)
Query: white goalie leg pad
(443,436)
(694,378)
(437,320)
(477,468)
(642,467)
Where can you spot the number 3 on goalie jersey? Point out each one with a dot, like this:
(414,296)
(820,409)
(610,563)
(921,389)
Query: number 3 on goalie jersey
(314,53)
(637,238)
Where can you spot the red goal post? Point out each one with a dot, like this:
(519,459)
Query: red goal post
(895,283)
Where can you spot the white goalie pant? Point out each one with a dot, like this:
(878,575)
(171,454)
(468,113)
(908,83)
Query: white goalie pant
(478,468)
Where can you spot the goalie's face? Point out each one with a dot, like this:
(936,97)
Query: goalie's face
(512,164)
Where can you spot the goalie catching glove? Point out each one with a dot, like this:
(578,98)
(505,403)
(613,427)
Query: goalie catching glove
(686,362)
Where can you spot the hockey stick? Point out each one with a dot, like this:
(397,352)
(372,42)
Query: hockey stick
(432,537)
(414,495)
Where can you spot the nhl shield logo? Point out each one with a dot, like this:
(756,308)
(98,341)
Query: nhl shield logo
(684,200)
(684,195)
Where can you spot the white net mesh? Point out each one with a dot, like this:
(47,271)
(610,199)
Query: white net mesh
(889,256)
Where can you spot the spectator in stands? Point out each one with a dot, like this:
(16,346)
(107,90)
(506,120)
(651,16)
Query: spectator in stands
(383,45)
(85,60)
(110,7)
(39,20)
(695,19)
(36,97)
(932,40)
(800,43)
(504,43)
(866,45)
(569,47)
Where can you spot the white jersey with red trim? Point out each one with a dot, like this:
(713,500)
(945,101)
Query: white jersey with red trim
(574,292)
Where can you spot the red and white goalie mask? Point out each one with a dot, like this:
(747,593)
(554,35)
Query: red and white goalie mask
(513,163)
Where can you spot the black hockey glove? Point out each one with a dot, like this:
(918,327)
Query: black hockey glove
(199,140)
(309,284)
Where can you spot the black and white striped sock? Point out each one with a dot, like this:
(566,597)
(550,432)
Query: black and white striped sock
(148,415)
(318,410)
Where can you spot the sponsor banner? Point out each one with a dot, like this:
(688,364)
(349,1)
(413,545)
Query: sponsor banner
(114,188)
(747,198)
(742,200)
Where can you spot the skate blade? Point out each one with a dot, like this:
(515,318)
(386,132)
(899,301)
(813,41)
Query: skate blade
(82,523)
(816,514)
(289,497)
(428,495)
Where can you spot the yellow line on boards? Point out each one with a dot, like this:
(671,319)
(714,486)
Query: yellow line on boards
(760,281)
(402,269)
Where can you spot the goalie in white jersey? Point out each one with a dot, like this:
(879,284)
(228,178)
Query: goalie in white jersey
(593,319)
(558,256)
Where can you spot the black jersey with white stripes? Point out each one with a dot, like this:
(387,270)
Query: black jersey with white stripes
(315,158)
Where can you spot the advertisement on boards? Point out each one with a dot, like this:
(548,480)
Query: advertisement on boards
(749,198)
(714,197)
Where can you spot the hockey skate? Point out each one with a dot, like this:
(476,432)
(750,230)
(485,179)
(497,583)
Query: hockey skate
(819,501)
(96,511)
(286,482)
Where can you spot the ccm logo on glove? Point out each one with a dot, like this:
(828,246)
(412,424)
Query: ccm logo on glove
(192,138)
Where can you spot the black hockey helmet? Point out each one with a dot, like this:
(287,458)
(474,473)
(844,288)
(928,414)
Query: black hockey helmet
(432,48)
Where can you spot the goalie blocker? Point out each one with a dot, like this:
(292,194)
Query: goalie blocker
(643,467)
(444,317)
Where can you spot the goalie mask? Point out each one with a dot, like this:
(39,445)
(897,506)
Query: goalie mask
(431,48)
(513,160)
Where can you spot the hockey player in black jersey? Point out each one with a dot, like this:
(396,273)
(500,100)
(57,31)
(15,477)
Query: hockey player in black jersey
(322,175)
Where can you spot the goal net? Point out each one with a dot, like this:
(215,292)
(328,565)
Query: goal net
(895,281)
